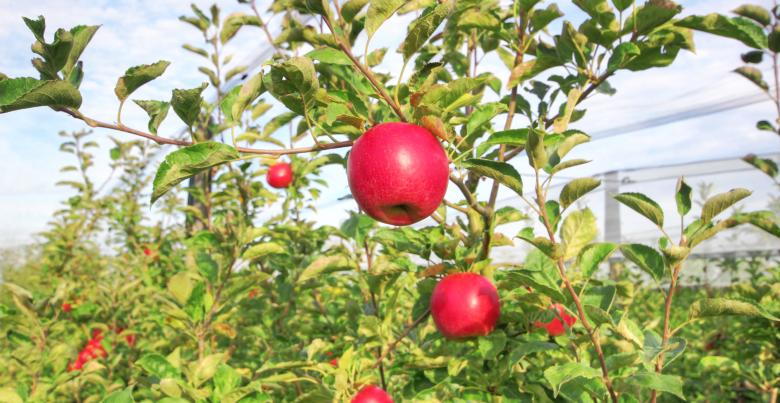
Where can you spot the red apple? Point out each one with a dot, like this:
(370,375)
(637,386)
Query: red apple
(556,327)
(372,394)
(66,307)
(279,175)
(398,173)
(465,305)
(334,362)
(147,252)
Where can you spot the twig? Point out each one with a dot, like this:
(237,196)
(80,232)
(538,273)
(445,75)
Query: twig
(184,143)
(391,346)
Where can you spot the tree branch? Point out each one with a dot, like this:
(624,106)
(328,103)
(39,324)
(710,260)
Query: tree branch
(391,346)
(184,143)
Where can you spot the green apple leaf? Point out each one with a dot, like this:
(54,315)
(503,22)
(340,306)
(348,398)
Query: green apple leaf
(739,28)
(378,12)
(577,188)
(710,307)
(646,258)
(27,92)
(642,205)
(422,28)
(186,103)
(189,161)
(329,56)
(137,76)
(592,255)
(558,375)
(502,172)
(683,197)
(720,202)
(157,111)
(234,22)
(659,382)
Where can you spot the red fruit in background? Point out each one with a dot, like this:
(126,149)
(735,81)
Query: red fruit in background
(372,394)
(279,175)
(253,293)
(334,362)
(130,339)
(66,307)
(556,326)
(465,305)
(148,252)
(398,173)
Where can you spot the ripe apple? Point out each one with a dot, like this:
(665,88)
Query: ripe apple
(398,173)
(66,307)
(372,394)
(556,327)
(279,175)
(465,305)
(334,362)
(148,252)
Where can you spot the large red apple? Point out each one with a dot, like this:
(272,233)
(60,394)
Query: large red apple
(556,326)
(372,394)
(279,175)
(465,305)
(398,173)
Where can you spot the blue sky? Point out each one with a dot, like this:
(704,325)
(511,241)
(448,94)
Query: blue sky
(144,31)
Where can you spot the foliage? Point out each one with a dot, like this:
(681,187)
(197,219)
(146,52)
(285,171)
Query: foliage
(234,296)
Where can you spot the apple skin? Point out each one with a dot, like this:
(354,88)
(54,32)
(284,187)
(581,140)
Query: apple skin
(465,305)
(372,394)
(279,175)
(66,307)
(398,173)
(555,327)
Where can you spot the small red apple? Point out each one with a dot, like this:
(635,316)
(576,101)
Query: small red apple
(148,252)
(66,307)
(334,362)
(556,327)
(465,305)
(130,339)
(279,175)
(372,394)
(398,173)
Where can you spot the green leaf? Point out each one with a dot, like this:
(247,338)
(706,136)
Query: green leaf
(738,28)
(26,92)
(654,381)
(577,188)
(646,258)
(578,230)
(264,249)
(483,114)
(754,75)
(37,26)
(357,227)
(502,172)
(251,89)
(351,8)
(180,286)
(422,28)
(189,161)
(205,368)
(324,265)
(9,395)
(137,76)
(592,255)
(226,379)
(642,205)
(683,197)
(186,103)
(722,306)
(120,396)
(537,154)
(491,345)
(157,111)
(753,56)
(765,165)
(196,50)
(650,16)
(156,365)
(773,40)
(558,375)
(754,12)
(720,202)
(234,22)
(541,18)
(622,55)
(82,35)
(378,12)
(330,56)
(294,83)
